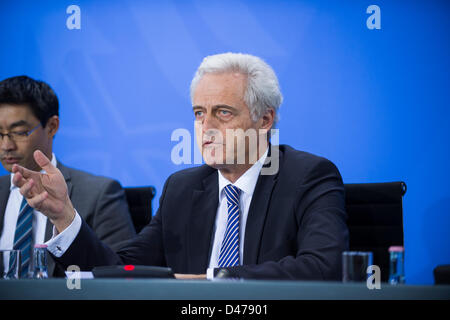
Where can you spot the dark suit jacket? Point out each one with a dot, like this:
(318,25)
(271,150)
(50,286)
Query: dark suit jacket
(100,202)
(296,227)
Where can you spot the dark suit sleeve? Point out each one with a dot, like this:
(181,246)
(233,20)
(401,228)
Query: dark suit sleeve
(111,220)
(322,233)
(87,251)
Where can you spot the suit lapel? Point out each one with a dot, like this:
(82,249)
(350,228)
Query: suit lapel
(201,223)
(5,184)
(257,214)
(66,174)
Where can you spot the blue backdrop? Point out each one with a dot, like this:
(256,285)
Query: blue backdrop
(375,102)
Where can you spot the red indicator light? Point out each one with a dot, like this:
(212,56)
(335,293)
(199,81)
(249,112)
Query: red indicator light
(129,267)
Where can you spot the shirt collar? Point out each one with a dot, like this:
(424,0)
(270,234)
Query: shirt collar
(246,182)
(53,162)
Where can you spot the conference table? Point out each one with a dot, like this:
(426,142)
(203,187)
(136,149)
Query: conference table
(223,289)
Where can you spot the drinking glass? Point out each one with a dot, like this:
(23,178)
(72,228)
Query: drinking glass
(354,265)
(9,264)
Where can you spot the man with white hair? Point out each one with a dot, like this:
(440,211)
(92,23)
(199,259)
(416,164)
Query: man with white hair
(231,214)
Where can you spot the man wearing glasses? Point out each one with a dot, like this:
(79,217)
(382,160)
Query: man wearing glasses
(29,120)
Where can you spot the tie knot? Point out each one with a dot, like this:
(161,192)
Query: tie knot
(232,192)
(235,190)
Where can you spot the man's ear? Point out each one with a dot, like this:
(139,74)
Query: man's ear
(267,119)
(52,125)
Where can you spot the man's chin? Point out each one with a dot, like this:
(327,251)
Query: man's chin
(218,164)
(8,166)
(217,160)
(212,164)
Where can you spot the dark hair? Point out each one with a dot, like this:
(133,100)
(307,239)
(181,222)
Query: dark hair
(37,95)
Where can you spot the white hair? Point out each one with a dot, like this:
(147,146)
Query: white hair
(262,92)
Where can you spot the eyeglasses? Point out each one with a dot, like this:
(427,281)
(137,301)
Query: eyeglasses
(18,136)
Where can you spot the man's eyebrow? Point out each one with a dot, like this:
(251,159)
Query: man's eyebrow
(217,106)
(19,123)
(224,106)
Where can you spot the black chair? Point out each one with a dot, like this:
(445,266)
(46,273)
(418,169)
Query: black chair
(375,219)
(140,203)
(442,274)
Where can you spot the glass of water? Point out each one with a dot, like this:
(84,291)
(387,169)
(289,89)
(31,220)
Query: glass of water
(354,265)
(9,264)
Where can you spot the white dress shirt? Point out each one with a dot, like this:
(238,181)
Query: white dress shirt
(12,213)
(246,183)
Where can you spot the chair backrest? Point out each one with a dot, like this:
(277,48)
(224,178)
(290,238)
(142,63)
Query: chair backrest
(442,274)
(375,219)
(140,203)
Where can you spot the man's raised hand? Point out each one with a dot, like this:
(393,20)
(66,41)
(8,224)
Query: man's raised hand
(46,192)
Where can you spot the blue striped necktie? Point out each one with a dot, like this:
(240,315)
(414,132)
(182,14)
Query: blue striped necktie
(24,236)
(229,252)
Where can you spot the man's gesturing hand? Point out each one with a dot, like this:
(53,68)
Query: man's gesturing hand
(46,192)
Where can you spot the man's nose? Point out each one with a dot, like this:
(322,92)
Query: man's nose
(7,144)
(209,123)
